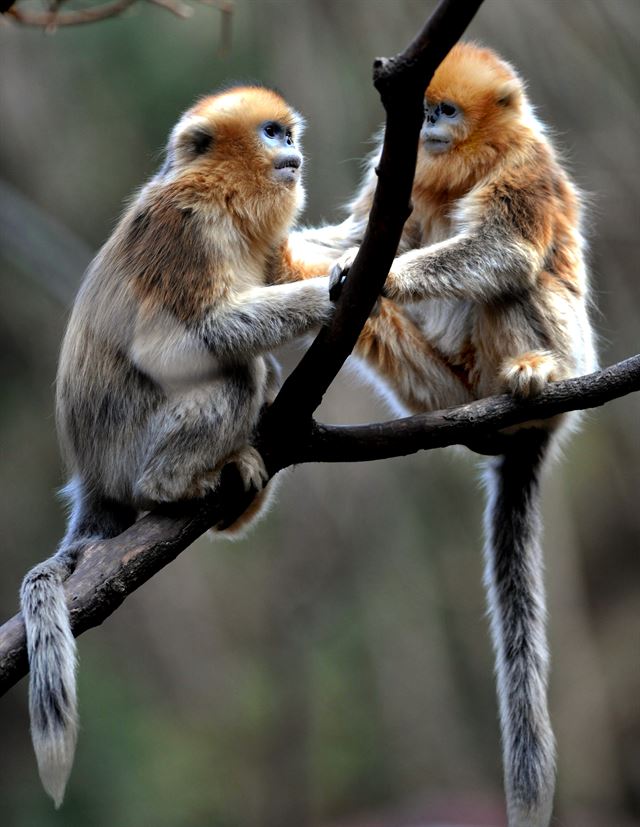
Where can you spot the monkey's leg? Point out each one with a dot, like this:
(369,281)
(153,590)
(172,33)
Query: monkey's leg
(50,644)
(514,581)
(521,347)
(185,459)
(192,437)
(415,372)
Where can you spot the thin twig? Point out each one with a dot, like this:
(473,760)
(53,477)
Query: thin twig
(54,18)
(48,20)
(469,425)
(175,7)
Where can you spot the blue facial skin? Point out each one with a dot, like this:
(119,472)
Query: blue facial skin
(436,129)
(287,160)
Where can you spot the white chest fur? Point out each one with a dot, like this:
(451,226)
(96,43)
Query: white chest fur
(168,353)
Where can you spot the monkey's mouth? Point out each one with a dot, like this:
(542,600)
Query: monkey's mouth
(288,163)
(436,144)
(286,168)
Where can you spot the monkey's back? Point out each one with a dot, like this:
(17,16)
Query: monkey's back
(103,402)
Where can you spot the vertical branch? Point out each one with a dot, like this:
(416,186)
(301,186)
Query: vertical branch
(401,82)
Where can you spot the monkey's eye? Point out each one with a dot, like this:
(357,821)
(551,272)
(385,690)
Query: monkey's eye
(272,130)
(448,109)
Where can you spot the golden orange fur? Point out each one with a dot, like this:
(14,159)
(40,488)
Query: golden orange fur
(500,185)
(488,294)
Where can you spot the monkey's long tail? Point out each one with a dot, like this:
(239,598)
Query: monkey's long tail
(514,581)
(51,650)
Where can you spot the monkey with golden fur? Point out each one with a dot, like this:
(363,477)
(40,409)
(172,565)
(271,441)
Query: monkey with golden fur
(166,362)
(488,294)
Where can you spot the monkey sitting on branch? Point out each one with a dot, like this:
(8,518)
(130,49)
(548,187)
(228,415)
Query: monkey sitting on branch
(166,362)
(488,294)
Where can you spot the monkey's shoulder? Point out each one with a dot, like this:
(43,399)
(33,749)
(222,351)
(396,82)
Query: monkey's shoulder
(169,255)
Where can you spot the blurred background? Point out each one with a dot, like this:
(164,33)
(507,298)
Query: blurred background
(334,669)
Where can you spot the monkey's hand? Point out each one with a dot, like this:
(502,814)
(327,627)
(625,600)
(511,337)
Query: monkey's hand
(251,468)
(339,274)
(340,271)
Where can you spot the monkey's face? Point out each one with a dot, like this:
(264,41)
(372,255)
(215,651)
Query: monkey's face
(238,152)
(279,145)
(443,126)
(472,116)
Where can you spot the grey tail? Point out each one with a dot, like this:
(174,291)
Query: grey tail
(51,650)
(51,647)
(515,589)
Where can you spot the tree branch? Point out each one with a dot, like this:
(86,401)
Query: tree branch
(112,569)
(52,19)
(474,425)
(401,82)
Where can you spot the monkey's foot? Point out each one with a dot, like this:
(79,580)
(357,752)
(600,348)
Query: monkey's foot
(527,375)
(251,467)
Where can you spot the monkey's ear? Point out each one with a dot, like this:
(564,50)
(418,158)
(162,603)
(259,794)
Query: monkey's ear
(509,94)
(198,140)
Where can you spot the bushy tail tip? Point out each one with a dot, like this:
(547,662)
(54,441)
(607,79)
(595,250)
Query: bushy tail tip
(54,754)
(52,683)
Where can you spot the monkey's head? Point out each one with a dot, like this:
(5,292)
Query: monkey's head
(473,109)
(238,150)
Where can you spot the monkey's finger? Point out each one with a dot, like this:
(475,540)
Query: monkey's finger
(338,280)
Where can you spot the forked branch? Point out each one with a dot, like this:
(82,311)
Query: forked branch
(111,570)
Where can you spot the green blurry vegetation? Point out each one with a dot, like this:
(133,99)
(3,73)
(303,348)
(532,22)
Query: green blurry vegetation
(336,662)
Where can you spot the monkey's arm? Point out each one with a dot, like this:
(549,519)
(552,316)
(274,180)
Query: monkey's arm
(312,252)
(263,318)
(484,266)
(499,248)
(327,242)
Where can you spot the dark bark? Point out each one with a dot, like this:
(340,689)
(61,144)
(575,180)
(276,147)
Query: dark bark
(111,570)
